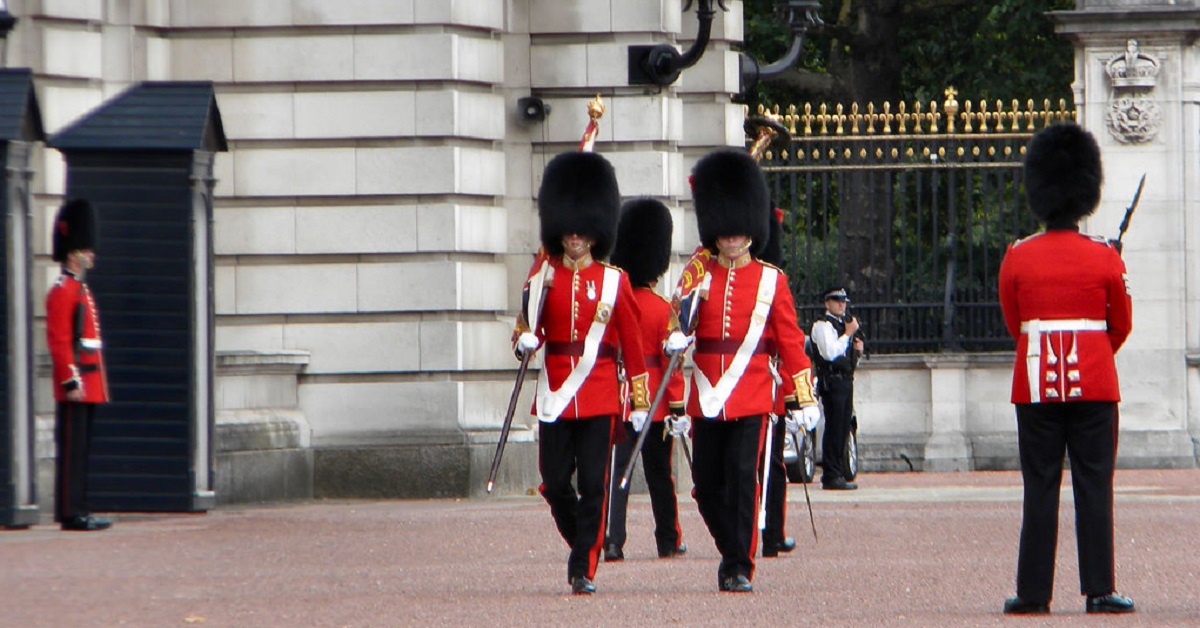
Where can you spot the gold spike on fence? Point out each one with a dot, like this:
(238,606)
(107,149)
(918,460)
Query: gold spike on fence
(901,129)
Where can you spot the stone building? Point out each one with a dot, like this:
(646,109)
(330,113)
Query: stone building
(375,218)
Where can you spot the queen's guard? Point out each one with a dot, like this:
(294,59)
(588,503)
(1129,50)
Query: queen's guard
(76,351)
(1065,297)
(732,302)
(644,252)
(583,312)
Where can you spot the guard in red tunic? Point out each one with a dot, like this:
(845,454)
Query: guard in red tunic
(774,536)
(643,251)
(584,312)
(731,301)
(1065,297)
(73,337)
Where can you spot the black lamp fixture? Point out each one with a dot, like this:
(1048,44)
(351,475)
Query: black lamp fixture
(801,14)
(662,64)
(7,22)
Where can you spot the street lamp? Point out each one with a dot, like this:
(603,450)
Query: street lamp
(801,15)
(662,64)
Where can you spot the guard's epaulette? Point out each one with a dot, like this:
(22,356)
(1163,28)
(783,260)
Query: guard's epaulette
(664,299)
(1027,238)
(771,265)
(1099,240)
(607,265)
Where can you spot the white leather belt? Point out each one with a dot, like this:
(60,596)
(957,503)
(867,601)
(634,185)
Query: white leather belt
(1033,347)
(1063,324)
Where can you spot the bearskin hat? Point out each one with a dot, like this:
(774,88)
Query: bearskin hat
(731,198)
(643,241)
(579,195)
(74,229)
(1063,174)
(773,251)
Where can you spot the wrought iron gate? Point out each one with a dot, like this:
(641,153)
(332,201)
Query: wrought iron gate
(911,209)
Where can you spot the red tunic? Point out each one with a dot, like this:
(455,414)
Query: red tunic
(1071,284)
(567,316)
(658,321)
(78,361)
(723,320)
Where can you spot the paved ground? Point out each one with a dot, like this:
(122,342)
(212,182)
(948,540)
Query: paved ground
(925,549)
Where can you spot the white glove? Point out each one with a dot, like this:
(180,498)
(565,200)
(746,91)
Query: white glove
(638,418)
(528,342)
(792,422)
(676,342)
(810,415)
(679,425)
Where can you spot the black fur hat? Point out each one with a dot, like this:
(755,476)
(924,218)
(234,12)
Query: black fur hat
(773,251)
(74,229)
(643,241)
(1063,174)
(731,199)
(579,195)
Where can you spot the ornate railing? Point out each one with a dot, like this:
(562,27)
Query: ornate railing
(911,207)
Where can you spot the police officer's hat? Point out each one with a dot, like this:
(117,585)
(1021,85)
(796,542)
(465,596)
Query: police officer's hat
(773,252)
(643,247)
(579,195)
(837,293)
(1063,174)
(731,199)
(74,229)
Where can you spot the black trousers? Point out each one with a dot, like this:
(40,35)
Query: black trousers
(1087,430)
(656,464)
(776,489)
(726,456)
(576,447)
(73,443)
(837,399)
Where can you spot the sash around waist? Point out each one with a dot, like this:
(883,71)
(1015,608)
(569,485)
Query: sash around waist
(731,346)
(575,349)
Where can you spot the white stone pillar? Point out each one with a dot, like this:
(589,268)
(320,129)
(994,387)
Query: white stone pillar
(948,448)
(1137,88)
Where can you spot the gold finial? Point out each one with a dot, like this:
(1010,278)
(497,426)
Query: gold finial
(950,106)
(595,108)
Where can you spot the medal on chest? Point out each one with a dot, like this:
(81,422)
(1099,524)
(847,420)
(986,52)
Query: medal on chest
(591,291)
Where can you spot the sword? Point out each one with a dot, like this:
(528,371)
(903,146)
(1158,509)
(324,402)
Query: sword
(658,397)
(1129,214)
(766,473)
(804,480)
(547,274)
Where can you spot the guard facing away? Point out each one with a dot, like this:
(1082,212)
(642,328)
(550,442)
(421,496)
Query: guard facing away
(588,313)
(76,351)
(837,350)
(1065,298)
(643,251)
(733,301)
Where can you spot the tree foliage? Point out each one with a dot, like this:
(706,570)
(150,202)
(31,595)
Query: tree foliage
(911,50)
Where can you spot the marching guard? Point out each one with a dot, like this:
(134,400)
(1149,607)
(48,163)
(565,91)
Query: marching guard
(73,338)
(643,251)
(731,301)
(582,311)
(1065,297)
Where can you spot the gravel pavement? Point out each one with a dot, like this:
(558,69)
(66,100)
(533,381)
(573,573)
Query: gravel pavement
(915,549)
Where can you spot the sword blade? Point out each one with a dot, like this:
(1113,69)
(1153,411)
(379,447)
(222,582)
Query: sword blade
(658,397)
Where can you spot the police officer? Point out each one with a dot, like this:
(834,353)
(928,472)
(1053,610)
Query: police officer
(732,301)
(73,337)
(584,312)
(839,348)
(1065,297)
(644,252)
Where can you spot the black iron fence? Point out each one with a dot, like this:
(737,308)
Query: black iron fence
(911,211)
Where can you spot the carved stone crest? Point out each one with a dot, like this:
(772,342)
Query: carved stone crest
(1133,116)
